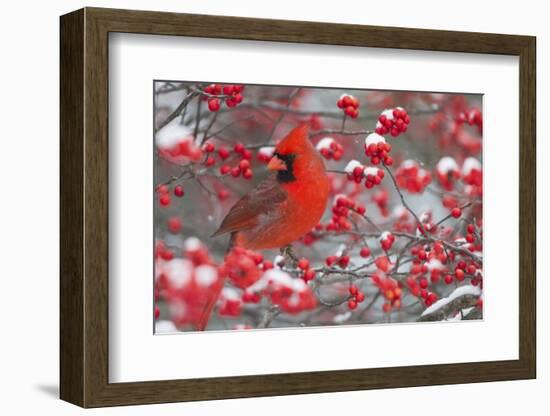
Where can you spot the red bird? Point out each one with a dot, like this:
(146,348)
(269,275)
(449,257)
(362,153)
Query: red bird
(282,208)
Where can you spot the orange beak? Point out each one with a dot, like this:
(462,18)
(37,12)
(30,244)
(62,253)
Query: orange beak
(276,164)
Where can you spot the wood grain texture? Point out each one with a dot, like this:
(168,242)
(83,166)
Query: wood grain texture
(84,206)
(71,100)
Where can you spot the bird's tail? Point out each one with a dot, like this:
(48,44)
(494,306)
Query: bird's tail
(214,295)
(209,306)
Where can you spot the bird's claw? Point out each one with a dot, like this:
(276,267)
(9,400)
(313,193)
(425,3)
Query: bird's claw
(288,252)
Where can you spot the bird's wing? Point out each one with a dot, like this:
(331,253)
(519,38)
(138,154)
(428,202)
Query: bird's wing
(265,199)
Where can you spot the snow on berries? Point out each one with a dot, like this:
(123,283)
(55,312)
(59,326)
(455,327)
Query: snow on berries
(265,153)
(386,240)
(394,121)
(357,172)
(377,149)
(330,148)
(472,173)
(447,172)
(291,295)
(349,105)
(412,177)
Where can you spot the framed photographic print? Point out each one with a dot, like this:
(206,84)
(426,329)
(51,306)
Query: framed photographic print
(257,207)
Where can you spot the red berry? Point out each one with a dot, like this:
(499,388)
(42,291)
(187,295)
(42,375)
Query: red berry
(174,225)
(471,229)
(459,273)
(309,274)
(448,279)
(239,148)
(208,147)
(223,153)
(343,262)
(178,191)
(303,263)
(387,307)
(214,104)
(164,200)
(360,297)
(225,169)
(247,174)
(353,290)
(352,304)
(456,212)
(365,252)
(244,164)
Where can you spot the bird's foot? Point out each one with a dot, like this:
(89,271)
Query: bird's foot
(288,253)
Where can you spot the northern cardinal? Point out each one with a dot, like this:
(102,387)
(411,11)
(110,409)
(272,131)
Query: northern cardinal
(282,208)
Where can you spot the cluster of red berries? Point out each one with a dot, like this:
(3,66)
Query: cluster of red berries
(163,252)
(412,177)
(357,172)
(230,303)
(330,148)
(378,150)
(291,295)
(186,283)
(473,117)
(307,272)
(341,210)
(242,267)
(391,290)
(356,296)
(163,193)
(394,121)
(447,172)
(340,260)
(472,173)
(381,199)
(349,104)
(386,240)
(242,168)
(232,94)
(464,268)
(183,149)
(418,287)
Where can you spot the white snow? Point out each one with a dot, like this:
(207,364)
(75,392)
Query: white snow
(279,261)
(266,150)
(374,138)
(370,170)
(341,318)
(192,244)
(458,292)
(324,143)
(172,134)
(340,251)
(162,327)
(447,164)
(388,112)
(352,164)
(178,271)
(384,235)
(277,278)
(409,163)
(470,164)
(230,293)
(205,274)
(434,264)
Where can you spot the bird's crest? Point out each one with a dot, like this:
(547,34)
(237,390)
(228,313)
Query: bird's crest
(295,141)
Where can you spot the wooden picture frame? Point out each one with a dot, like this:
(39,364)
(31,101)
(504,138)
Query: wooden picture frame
(84,207)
